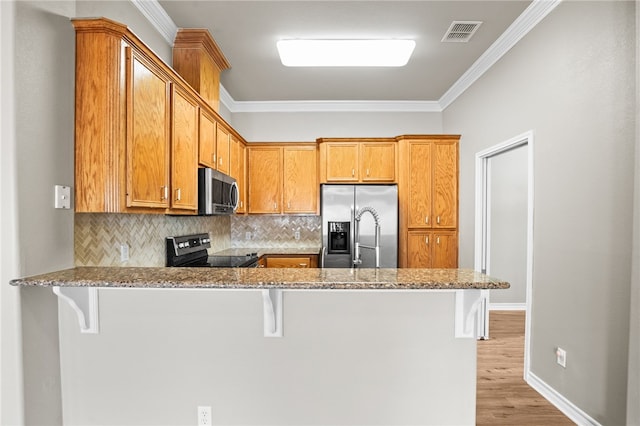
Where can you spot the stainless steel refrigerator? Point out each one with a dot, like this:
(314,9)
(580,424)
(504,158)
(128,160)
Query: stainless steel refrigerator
(359,226)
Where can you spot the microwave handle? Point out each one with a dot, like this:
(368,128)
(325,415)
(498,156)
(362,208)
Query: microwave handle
(234,196)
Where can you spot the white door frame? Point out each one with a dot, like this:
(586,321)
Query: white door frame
(482,230)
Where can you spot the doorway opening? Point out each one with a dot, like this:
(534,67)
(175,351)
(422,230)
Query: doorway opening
(504,226)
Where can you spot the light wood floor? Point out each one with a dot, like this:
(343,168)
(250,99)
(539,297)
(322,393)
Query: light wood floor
(503,397)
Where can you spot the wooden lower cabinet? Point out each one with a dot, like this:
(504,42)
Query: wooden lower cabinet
(291,261)
(436,249)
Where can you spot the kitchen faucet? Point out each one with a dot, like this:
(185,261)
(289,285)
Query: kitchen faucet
(357,260)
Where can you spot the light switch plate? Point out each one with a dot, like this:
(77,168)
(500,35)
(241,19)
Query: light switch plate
(63,197)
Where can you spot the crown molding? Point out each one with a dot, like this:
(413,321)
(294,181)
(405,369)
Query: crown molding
(531,16)
(158,17)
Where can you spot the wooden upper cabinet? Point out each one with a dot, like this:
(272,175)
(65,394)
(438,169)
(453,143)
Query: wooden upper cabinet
(282,178)
(136,128)
(378,161)
(207,140)
(300,177)
(199,60)
(184,151)
(433,184)
(265,179)
(147,133)
(445,184)
(223,147)
(345,160)
(342,162)
(237,155)
(419,185)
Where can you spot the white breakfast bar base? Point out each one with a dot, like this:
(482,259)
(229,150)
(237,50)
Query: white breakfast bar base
(345,358)
(84,302)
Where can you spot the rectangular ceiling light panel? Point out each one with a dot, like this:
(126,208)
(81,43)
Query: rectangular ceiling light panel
(345,53)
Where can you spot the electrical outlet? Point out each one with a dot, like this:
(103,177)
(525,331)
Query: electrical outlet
(561,357)
(204,415)
(124,252)
(296,235)
(247,235)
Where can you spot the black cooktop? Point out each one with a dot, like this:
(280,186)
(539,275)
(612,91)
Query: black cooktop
(191,251)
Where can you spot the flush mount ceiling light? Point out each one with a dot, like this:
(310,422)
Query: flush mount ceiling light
(345,53)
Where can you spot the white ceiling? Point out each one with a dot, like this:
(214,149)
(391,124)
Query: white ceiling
(247,31)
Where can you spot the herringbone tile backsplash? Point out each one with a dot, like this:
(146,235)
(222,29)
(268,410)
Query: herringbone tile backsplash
(98,236)
(275,231)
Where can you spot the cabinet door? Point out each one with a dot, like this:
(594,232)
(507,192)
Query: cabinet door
(207,143)
(147,134)
(238,151)
(289,262)
(265,179)
(184,152)
(342,162)
(419,208)
(445,249)
(445,184)
(378,162)
(419,249)
(223,142)
(300,180)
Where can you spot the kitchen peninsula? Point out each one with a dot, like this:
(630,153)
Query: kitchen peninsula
(370,346)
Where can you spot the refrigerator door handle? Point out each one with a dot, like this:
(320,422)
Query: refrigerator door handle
(324,249)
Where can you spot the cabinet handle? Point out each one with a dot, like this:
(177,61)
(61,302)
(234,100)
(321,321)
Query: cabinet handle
(438,220)
(241,203)
(164,193)
(426,240)
(213,158)
(302,265)
(288,204)
(220,161)
(426,220)
(367,172)
(275,206)
(438,240)
(178,194)
(353,172)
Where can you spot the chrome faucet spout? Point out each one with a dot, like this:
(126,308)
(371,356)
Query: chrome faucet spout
(357,260)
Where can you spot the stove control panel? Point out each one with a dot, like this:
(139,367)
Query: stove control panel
(186,244)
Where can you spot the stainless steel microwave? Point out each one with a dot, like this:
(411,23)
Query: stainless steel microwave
(217,193)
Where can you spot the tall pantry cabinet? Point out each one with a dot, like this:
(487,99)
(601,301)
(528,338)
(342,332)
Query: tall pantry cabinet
(428,201)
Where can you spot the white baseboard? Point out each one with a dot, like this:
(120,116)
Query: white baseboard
(507,306)
(560,402)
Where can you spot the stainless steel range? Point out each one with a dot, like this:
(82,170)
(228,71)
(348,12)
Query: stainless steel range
(191,251)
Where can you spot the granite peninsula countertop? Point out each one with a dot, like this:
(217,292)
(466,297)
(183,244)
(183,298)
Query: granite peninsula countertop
(266,278)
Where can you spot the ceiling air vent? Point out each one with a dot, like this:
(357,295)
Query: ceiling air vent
(461,31)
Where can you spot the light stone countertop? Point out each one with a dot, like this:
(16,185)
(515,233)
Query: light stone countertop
(265,278)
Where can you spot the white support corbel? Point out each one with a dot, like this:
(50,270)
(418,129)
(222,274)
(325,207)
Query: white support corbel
(84,302)
(467,304)
(272,308)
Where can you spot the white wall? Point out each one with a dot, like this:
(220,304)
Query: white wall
(308,126)
(508,224)
(11,401)
(571,80)
(633,388)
